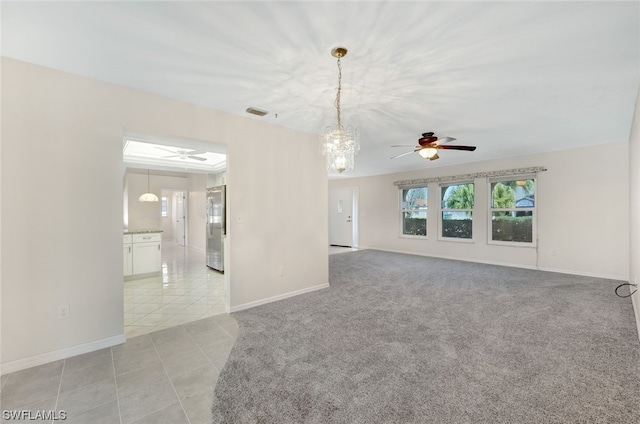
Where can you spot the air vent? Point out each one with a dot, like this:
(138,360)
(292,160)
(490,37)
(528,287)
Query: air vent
(256,111)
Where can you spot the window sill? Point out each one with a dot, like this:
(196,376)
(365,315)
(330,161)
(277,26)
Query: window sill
(456,240)
(408,236)
(511,243)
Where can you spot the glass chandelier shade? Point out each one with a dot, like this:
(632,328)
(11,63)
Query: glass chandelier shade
(340,143)
(148,196)
(340,146)
(428,152)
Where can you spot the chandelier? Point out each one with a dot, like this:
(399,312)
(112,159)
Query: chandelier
(340,144)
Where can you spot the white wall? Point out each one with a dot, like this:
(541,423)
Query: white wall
(61,232)
(583,212)
(634,194)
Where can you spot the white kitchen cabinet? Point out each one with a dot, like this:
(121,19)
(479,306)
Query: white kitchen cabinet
(142,254)
(127,254)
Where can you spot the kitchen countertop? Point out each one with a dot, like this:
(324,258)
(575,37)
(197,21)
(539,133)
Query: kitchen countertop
(141,231)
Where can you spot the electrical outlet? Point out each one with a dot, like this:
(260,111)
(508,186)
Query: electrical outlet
(281,270)
(63,311)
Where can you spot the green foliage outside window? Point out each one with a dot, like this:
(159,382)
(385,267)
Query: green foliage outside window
(513,203)
(461,197)
(457,205)
(503,196)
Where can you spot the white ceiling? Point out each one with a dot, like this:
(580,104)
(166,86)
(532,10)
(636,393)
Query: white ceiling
(511,78)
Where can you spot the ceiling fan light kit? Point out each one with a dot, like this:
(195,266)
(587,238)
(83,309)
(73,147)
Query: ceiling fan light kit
(428,153)
(428,146)
(340,143)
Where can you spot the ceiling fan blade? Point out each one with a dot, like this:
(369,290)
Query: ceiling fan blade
(196,152)
(403,154)
(166,150)
(170,156)
(467,148)
(404,145)
(444,140)
(196,157)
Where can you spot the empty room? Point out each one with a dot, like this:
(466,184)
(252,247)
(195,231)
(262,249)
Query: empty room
(330,212)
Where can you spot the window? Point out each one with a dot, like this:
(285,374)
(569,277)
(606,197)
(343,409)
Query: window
(512,208)
(414,211)
(163,205)
(457,211)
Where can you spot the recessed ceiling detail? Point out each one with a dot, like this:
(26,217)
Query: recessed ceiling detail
(143,153)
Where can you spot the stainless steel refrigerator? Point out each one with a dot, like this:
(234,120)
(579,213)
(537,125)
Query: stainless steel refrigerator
(216,227)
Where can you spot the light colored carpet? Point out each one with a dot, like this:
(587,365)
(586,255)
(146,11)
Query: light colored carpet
(409,339)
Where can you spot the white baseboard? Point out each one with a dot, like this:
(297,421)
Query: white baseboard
(585,274)
(278,297)
(454,258)
(635,301)
(560,271)
(142,276)
(45,358)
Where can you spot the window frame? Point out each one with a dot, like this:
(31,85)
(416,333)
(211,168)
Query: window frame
(442,210)
(533,210)
(164,207)
(402,211)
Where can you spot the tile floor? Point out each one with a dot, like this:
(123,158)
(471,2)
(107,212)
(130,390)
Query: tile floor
(167,376)
(164,373)
(187,290)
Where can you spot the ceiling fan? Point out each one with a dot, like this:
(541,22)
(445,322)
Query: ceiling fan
(183,154)
(429,145)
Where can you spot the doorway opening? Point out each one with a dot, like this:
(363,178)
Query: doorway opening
(184,289)
(175,217)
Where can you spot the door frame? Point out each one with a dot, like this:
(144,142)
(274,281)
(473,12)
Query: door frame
(185,211)
(355,215)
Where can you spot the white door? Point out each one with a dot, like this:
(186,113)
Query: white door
(181,219)
(341,217)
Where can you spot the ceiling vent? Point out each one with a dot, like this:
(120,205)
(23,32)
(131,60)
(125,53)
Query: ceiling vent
(256,111)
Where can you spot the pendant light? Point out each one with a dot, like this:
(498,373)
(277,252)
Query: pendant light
(340,144)
(148,196)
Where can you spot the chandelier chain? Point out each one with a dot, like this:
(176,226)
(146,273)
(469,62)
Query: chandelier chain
(338,143)
(337,102)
